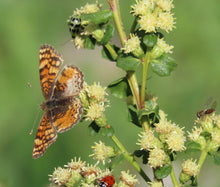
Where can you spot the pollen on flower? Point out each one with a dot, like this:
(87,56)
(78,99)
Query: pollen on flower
(131,44)
(217,120)
(194,135)
(148,22)
(94,111)
(141,7)
(75,165)
(155,184)
(60,176)
(101,152)
(175,139)
(90,173)
(156,158)
(190,167)
(166,21)
(148,140)
(164,46)
(216,136)
(165,5)
(88,8)
(128,179)
(164,126)
(79,42)
(97,92)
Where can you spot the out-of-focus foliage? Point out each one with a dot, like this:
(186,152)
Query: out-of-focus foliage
(25,25)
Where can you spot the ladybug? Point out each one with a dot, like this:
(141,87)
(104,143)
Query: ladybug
(107,181)
(75,26)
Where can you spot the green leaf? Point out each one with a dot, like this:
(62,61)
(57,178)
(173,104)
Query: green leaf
(216,157)
(133,116)
(108,35)
(107,131)
(150,40)
(128,63)
(107,55)
(115,161)
(163,172)
(90,43)
(163,65)
(120,88)
(97,17)
(192,147)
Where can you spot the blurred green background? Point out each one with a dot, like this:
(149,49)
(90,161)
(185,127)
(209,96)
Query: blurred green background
(25,25)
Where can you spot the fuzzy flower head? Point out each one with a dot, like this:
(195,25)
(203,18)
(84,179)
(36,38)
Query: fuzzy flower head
(88,8)
(148,141)
(90,173)
(195,134)
(79,42)
(131,44)
(155,184)
(206,122)
(154,14)
(60,176)
(156,158)
(127,179)
(101,152)
(164,126)
(96,92)
(175,139)
(190,167)
(216,136)
(75,165)
(94,111)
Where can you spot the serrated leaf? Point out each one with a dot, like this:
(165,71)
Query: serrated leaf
(119,88)
(163,172)
(150,40)
(128,63)
(90,43)
(107,131)
(216,157)
(107,55)
(163,65)
(133,116)
(108,35)
(97,17)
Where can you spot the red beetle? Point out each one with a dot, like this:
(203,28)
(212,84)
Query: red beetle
(107,181)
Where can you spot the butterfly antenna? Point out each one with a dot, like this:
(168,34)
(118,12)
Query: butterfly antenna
(31,131)
(34,93)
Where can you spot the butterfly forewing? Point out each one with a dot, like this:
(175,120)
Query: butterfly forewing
(69,82)
(50,62)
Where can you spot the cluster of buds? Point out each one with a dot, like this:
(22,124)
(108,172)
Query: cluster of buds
(78,173)
(170,138)
(84,28)
(94,103)
(207,133)
(154,14)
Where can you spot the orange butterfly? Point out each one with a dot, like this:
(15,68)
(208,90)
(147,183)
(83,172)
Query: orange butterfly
(62,107)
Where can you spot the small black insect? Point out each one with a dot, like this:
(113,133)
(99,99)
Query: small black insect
(75,26)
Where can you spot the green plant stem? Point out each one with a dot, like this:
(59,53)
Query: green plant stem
(173,177)
(130,159)
(132,80)
(134,24)
(131,76)
(111,51)
(144,78)
(201,161)
(117,18)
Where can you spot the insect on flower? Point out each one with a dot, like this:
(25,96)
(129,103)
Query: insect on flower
(204,111)
(107,181)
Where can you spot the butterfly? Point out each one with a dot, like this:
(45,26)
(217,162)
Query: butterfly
(62,106)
